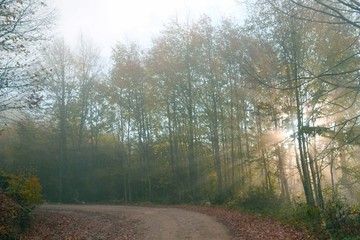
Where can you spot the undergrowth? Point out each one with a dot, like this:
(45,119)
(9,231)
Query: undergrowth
(336,220)
(19,194)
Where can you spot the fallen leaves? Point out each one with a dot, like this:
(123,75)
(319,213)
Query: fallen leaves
(80,225)
(245,226)
(77,225)
(10,216)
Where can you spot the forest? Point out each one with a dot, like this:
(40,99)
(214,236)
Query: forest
(213,111)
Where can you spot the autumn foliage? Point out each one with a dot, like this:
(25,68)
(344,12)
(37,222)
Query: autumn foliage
(25,190)
(19,194)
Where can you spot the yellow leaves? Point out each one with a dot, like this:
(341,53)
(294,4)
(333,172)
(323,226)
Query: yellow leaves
(285,69)
(27,190)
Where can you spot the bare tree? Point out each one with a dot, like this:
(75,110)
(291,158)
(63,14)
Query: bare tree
(342,11)
(22,27)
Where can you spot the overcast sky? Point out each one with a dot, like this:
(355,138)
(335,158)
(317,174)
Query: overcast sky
(107,22)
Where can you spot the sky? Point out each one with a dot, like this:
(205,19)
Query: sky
(106,22)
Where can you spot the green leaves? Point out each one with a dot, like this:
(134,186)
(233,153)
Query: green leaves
(19,194)
(25,190)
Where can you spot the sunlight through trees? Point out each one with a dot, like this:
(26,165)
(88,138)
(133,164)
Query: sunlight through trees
(212,111)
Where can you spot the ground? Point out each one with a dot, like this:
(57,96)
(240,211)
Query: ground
(73,222)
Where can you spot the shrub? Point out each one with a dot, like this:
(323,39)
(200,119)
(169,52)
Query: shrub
(10,212)
(19,194)
(306,216)
(222,198)
(25,190)
(261,201)
(341,220)
(336,221)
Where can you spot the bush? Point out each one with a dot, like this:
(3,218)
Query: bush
(24,190)
(307,217)
(262,201)
(10,213)
(19,194)
(341,220)
(336,221)
(222,198)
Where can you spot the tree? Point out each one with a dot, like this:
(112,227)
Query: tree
(176,62)
(22,28)
(310,74)
(206,70)
(340,11)
(231,49)
(166,68)
(70,105)
(58,88)
(87,72)
(129,80)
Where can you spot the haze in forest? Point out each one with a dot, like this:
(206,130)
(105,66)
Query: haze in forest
(197,106)
(106,22)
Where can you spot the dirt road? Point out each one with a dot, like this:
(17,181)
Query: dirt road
(126,222)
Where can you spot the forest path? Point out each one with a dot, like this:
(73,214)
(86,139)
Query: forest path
(124,222)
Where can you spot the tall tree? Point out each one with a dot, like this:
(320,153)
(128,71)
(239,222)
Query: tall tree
(207,73)
(88,71)
(129,78)
(59,86)
(298,59)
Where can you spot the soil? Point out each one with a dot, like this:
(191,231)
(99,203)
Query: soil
(75,222)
